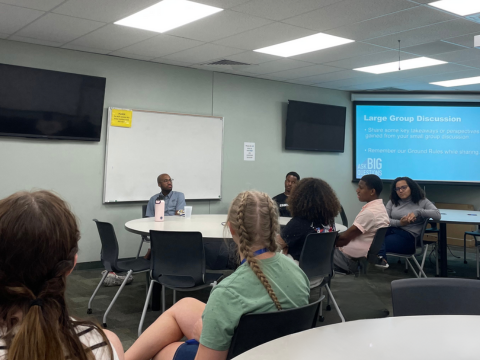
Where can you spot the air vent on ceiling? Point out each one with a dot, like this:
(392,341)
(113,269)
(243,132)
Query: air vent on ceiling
(228,62)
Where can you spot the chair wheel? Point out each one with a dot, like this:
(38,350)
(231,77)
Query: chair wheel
(399,261)
(321,319)
(464,261)
(104,325)
(89,311)
(328,308)
(405,271)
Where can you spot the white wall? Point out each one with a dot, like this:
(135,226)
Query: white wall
(254,111)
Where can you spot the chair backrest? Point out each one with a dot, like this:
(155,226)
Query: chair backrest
(109,245)
(419,240)
(343,216)
(376,245)
(435,296)
(178,257)
(256,329)
(144,211)
(316,259)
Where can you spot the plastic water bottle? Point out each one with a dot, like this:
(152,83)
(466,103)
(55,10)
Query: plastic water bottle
(160,208)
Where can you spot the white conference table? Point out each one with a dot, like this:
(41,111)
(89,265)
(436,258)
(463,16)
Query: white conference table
(211,226)
(450,216)
(409,337)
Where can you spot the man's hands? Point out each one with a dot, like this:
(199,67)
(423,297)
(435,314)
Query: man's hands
(408,219)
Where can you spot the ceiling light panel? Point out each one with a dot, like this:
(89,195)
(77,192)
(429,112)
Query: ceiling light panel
(304,45)
(168,15)
(458,82)
(404,65)
(459,7)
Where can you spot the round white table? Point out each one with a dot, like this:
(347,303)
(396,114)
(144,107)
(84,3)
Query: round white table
(409,337)
(211,226)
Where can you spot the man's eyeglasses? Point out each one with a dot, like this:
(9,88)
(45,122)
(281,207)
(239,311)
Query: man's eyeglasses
(166,181)
(403,188)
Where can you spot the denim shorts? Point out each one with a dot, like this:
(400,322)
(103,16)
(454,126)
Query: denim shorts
(187,351)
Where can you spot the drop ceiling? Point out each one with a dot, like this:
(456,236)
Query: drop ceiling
(246,25)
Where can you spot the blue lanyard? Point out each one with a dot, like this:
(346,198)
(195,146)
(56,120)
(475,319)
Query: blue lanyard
(258,252)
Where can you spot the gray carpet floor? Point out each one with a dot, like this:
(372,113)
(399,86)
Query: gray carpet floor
(364,297)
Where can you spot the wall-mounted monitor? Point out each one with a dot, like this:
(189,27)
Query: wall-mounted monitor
(48,104)
(431,142)
(315,127)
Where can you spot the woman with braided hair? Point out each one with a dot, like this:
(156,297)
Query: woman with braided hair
(265,281)
(38,250)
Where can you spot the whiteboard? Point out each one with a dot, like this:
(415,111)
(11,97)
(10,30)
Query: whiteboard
(187,147)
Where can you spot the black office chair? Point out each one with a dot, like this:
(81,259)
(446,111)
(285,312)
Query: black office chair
(420,250)
(111,263)
(144,238)
(256,329)
(343,216)
(435,296)
(372,256)
(177,263)
(316,261)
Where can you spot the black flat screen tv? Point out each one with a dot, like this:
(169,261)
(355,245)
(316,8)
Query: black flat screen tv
(315,127)
(37,103)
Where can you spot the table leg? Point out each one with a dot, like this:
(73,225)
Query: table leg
(442,249)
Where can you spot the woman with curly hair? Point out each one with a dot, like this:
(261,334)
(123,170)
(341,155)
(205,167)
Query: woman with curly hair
(407,209)
(38,250)
(314,206)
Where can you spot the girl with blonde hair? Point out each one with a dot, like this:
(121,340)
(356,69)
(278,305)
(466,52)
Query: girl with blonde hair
(38,250)
(265,281)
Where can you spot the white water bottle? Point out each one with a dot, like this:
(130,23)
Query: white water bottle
(160,208)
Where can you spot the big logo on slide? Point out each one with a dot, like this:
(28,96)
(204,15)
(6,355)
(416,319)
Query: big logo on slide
(370,166)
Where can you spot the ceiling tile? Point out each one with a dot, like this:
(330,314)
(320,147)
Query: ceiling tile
(347,82)
(473,63)
(339,52)
(334,76)
(430,70)
(389,24)
(70,46)
(59,28)
(427,34)
(305,71)
(281,9)
(269,77)
(369,60)
(35,41)
(3,36)
(223,24)
(265,36)
(44,5)
(130,56)
(299,82)
(433,48)
(275,66)
(103,10)
(203,53)
(223,4)
(171,62)
(449,76)
(464,40)
(460,56)
(422,87)
(347,12)
(161,45)
(13,18)
(252,57)
(113,37)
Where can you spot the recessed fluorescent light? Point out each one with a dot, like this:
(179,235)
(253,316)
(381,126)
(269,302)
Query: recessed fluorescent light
(168,15)
(404,65)
(459,7)
(458,82)
(304,45)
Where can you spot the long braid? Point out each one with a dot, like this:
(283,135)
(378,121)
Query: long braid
(245,249)
(273,210)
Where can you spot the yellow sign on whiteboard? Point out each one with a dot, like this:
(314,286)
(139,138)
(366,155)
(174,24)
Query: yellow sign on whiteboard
(121,118)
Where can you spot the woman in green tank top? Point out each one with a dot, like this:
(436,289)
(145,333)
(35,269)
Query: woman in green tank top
(265,281)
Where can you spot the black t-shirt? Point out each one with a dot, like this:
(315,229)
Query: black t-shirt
(296,231)
(281,200)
